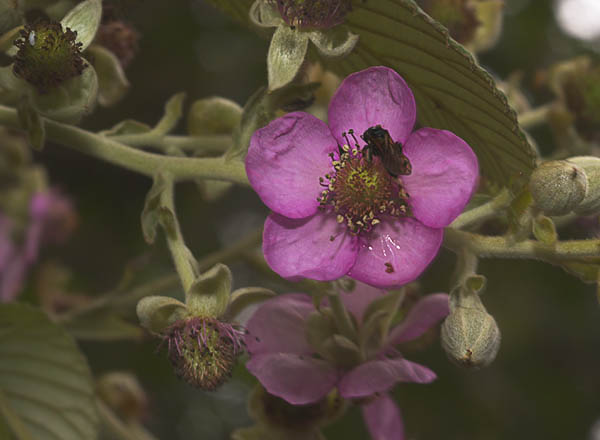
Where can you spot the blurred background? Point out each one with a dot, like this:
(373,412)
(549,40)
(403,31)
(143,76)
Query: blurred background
(545,383)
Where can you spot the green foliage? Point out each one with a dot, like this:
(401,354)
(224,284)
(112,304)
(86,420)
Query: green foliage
(46,389)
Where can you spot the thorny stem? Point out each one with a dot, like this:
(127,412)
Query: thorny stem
(148,164)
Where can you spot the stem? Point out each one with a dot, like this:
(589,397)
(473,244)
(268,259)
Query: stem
(148,164)
(186,265)
(196,144)
(535,117)
(118,299)
(483,212)
(503,247)
(342,318)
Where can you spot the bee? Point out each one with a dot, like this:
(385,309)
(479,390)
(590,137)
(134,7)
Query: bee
(380,143)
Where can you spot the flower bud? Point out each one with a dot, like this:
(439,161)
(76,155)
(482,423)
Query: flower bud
(123,393)
(470,337)
(590,204)
(558,187)
(47,55)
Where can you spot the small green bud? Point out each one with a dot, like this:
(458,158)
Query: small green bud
(213,115)
(558,187)
(590,204)
(123,393)
(47,55)
(203,350)
(470,337)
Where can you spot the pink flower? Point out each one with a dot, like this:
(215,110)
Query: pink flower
(51,219)
(336,210)
(285,363)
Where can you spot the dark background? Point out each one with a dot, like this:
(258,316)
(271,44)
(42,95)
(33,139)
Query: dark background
(545,383)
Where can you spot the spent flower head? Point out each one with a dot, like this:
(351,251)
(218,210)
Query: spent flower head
(48,55)
(202,344)
(298,354)
(343,206)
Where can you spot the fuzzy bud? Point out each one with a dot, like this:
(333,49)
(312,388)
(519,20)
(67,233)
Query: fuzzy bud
(47,55)
(558,187)
(590,204)
(470,337)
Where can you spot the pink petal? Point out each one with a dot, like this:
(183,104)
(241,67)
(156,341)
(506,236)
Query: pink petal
(278,326)
(377,376)
(396,253)
(359,299)
(444,176)
(374,96)
(424,315)
(285,160)
(304,248)
(383,419)
(297,379)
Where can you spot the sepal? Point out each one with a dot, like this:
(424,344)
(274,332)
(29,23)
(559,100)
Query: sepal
(156,313)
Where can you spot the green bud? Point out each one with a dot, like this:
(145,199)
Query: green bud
(123,393)
(470,336)
(47,55)
(213,115)
(590,204)
(558,187)
(489,14)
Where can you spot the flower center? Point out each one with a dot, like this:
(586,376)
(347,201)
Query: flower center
(360,189)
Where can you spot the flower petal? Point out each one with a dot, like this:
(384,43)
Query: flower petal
(444,176)
(303,248)
(359,299)
(298,380)
(396,253)
(383,419)
(380,375)
(374,96)
(285,160)
(424,315)
(277,326)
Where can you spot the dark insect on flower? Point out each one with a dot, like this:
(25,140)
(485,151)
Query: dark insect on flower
(380,143)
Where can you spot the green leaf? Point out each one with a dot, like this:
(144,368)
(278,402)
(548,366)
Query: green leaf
(158,312)
(544,230)
(242,298)
(452,92)
(210,292)
(286,56)
(112,82)
(128,126)
(151,212)
(46,387)
(173,112)
(84,19)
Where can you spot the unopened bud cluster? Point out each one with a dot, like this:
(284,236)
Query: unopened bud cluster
(47,55)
